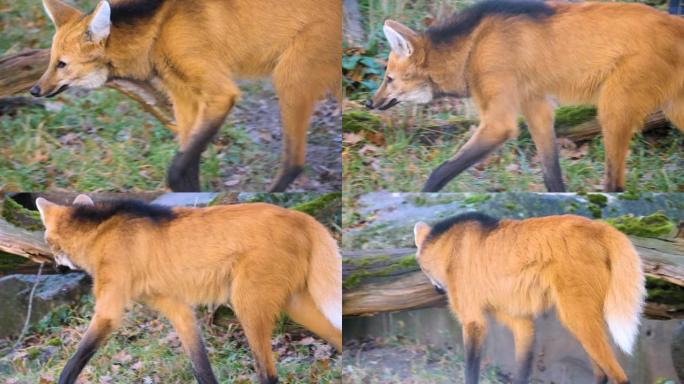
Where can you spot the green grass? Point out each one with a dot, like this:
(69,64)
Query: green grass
(146,350)
(409,154)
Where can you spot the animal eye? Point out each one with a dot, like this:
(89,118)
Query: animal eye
(61,64)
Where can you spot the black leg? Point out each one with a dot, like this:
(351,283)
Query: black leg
(284,179)
(183,173)
(469,155)
(97,333)
(473,336)
(200,363)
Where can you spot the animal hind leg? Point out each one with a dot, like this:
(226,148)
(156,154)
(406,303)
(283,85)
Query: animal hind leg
(674,111)
(626,98)
(300,79)
(523,337)
(257,305)
(538,113)
(302,309)
(183,321)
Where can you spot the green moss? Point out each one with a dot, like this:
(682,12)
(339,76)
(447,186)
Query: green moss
(354,279)
(598,199)
(366,261)
(653,225)
(574,115)
(408,261)
(359,121)
(314,206)
(596,211)
(629,195)
(572,207)
(510,206)
(477,199)
(21,217)
(10,263)
(663,292)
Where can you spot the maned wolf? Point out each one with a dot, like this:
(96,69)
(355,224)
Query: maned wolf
(194,50)
(516,270)
(261,258)
(513,57)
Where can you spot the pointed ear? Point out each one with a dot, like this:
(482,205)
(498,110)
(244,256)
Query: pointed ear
(44,207)
(401,38)
(83,200)
(60,12)
(99,26)
(420,232)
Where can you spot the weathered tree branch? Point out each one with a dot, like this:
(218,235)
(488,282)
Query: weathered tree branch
(592,128)
(387,279)
(18,72)
(24,243)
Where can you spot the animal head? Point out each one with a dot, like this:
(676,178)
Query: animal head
(406,78)
(77,56)
(431,257)
(60,235)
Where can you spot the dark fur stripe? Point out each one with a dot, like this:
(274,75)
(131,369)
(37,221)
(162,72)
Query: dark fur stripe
(463,23)
(488,223)
(105,210)
(131,11)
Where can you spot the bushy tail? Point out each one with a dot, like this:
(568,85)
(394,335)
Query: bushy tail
(325,275)
(625,296)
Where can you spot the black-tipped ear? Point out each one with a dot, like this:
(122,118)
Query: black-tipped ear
(59,12)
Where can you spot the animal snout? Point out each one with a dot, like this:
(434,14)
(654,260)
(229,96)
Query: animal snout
(35,90)
(369,104)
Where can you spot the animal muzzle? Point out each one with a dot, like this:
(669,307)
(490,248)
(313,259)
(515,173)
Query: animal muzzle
(37,91)
(439,289)
(382,105)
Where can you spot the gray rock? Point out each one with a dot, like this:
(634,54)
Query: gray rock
(51,292)
(678,351)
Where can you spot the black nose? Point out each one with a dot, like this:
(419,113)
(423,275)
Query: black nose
(439,289)
(369,104)
(35,90)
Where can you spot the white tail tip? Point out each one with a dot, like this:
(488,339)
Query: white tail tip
(624,332)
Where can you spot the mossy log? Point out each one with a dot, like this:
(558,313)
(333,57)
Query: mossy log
(21,242)
(590,129)
(18,73)
(390,280)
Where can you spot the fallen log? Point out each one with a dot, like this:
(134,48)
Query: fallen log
(590,129)
(18,73)
(389,279)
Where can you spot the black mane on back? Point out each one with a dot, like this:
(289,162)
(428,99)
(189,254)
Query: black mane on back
(131,11)
(464,22)
(487,223)
(105,210)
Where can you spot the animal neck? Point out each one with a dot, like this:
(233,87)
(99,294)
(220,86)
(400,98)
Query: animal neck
(448,67)
(130,47)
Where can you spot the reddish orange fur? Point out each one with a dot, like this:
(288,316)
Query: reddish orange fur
(516,271)
(194,53)
(625,58)
(261,258)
